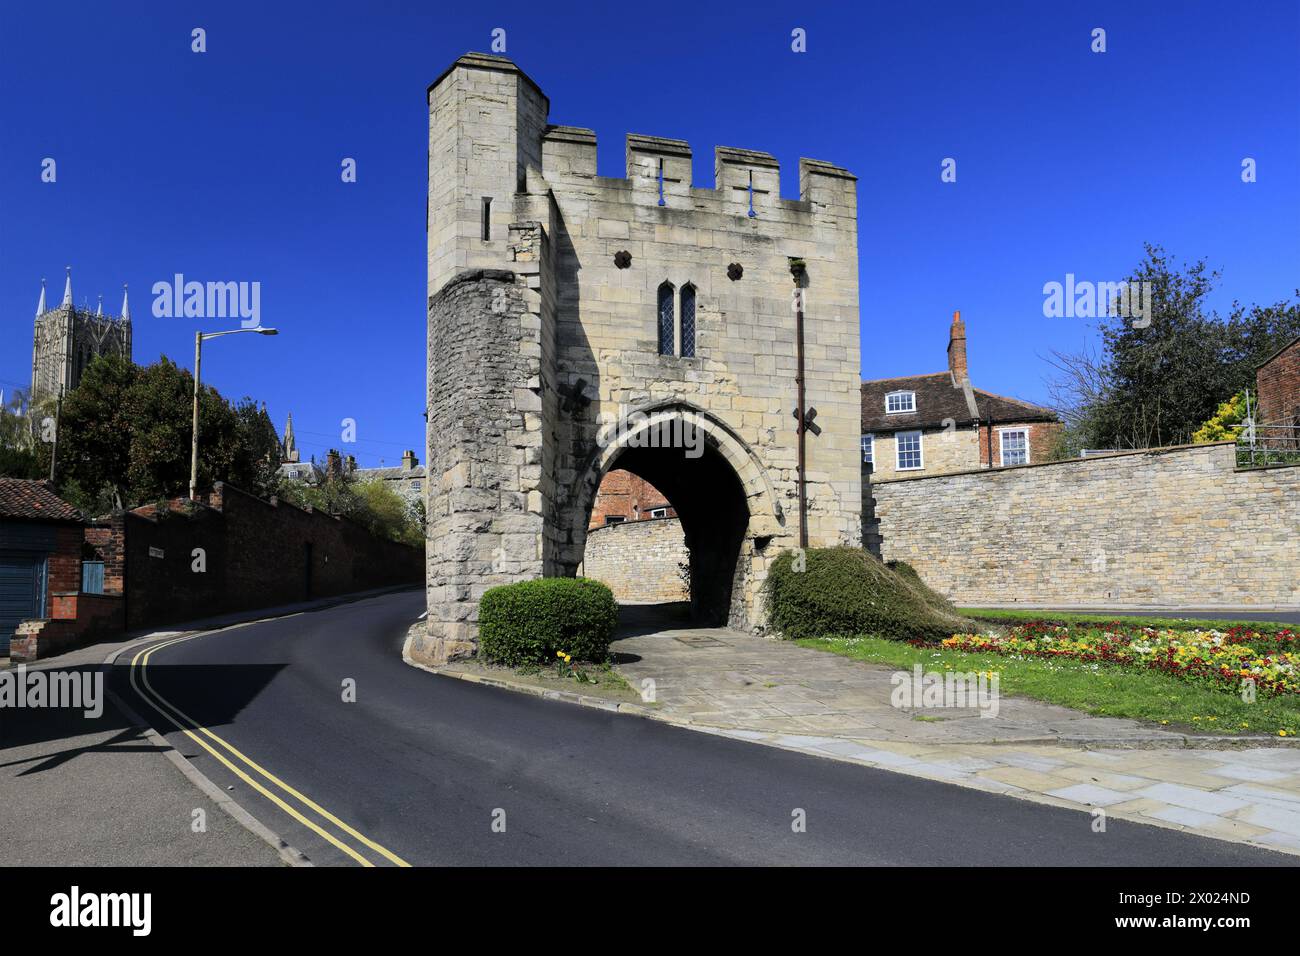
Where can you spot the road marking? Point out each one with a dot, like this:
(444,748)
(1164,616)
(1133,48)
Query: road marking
(174,715)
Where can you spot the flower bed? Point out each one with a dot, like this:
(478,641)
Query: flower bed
(1225,658)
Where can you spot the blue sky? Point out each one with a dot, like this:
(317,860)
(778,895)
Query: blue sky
(225,165)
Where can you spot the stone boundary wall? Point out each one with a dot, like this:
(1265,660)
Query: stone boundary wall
(641,561)
(1174,526)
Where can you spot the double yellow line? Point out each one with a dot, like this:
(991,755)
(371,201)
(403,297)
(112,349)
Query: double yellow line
(196,732)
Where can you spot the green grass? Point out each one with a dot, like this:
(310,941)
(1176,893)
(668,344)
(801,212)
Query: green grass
(1010,616)
(1103,690)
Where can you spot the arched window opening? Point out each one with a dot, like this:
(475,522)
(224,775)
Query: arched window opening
(667,322)
(688,321)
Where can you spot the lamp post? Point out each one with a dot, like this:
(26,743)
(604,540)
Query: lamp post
(198,360)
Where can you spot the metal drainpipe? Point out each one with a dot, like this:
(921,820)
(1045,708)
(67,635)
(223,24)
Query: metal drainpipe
(798,272)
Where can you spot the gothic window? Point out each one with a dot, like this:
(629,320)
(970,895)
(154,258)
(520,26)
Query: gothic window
(688,321)
(667,321)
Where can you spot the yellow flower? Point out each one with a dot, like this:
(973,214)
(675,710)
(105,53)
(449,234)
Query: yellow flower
(1281,733)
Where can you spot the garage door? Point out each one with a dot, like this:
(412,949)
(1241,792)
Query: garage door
(20,594)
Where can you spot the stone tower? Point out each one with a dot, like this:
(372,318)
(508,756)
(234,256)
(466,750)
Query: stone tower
(578,323)
(66,339)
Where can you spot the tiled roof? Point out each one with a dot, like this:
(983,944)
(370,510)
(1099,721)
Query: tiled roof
(937,401)
(34,501)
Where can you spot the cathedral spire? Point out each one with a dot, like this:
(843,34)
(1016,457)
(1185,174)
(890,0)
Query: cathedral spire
(99,312)
(67,291)
(290,447)
(40,306)
(126,309)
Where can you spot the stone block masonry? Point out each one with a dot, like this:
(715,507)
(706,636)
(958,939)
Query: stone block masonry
(1175,527)
(643,562)
(549,290)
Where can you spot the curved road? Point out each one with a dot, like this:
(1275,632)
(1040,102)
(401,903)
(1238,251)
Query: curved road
(425,770)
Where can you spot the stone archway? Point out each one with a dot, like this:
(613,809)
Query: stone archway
(723,497)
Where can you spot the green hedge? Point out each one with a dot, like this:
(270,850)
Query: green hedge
(527,622)
(846,591)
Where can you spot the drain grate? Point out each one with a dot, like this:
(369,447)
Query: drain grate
(698,640)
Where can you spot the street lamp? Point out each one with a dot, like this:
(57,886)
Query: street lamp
(198,358)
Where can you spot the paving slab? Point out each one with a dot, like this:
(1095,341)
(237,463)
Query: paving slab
(777,693)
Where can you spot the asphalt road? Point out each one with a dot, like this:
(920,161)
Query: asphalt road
(425,770)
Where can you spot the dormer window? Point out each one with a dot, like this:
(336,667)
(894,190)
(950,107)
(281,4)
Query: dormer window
(897,402)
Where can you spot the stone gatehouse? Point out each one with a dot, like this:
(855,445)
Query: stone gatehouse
(578,323)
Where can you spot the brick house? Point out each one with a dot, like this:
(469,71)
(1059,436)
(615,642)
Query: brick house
(1277,382)
(939,423)
(623,496)
(51,597)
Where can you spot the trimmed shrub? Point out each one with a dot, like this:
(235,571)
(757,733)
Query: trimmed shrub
(846,591)
(527,622)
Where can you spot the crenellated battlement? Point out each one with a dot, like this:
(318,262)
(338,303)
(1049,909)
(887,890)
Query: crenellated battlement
(744,179)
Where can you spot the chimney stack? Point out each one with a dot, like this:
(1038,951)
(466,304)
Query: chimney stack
(409,461)
(957,351)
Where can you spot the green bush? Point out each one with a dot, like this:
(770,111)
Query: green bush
(528,622)
(928,595)
(846,591)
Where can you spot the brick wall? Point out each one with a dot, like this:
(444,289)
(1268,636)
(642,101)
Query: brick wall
(1042,441)
(255,554)
(627,496)
(1278,385)
(1179,526)
(641,561)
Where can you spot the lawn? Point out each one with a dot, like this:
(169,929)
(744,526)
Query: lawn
(1105,690)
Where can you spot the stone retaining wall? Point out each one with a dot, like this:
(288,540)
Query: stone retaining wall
(641,561)
(1176,526)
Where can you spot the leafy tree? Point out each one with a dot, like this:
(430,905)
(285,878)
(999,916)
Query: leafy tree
(1155,385)
(22,453)
(370,503)
(125,433)
(1225,423)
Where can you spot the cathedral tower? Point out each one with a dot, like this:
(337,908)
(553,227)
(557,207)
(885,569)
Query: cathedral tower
(67,339)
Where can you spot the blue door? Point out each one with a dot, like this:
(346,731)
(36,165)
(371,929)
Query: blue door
(21,593)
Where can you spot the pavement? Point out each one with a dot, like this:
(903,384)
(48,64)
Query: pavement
(78,791)
(777,693)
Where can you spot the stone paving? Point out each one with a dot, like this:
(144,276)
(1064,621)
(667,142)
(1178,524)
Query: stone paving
(776,693)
